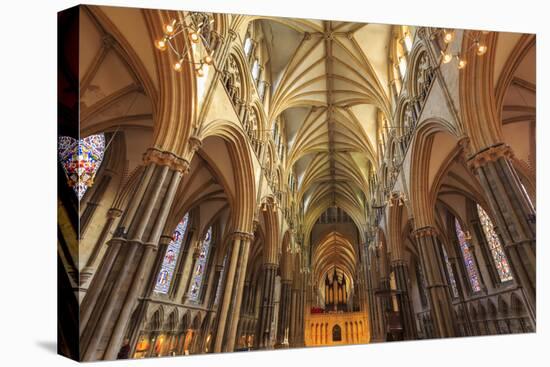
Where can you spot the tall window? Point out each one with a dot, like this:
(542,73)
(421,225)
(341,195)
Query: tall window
(81,160)
(497,252)
(171,257)
(261,91)
(402,66)
(407,40)
(200,267)
(452,280)
(468,257)
(422,285)
(256,70)
(247,46)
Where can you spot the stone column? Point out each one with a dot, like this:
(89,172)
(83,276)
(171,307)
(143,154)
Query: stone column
(284,313)
(401,272)
(438,290)
(226,297)
(88,270)
(267,306)
(114,291)
(515,215)
(237,298)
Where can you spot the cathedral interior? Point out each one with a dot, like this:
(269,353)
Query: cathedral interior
(251,182)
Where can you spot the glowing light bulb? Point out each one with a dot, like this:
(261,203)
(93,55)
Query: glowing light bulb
(170,27)
(461,63)
(178,65)
(208,60)
(448,36)
(200,71)
(481,49)
(161,44)
(447,57)
(193,36)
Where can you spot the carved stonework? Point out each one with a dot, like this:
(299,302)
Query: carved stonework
(424,77)
(491,154)
(232,80)
(166,159)
(425,232)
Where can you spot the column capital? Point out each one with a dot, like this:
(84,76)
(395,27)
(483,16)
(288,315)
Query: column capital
(490,154)
(398,262)
(270,266)
(163,158)
(242,235)
(427,231)
(114,213)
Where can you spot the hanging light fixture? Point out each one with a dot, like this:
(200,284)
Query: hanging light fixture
(196,27)
(481,48)
(446,57)
(448,36)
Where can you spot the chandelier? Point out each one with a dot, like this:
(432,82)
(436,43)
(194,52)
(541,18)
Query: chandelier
(477,45)
(196,27)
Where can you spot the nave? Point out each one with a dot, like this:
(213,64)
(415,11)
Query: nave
(300,183)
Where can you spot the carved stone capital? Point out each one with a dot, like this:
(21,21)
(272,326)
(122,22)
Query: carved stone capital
(195,143)
(114,213)
(425,232)
(169,159)
(490,154)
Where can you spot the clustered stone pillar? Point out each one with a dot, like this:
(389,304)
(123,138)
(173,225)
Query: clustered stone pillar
(401,271)
(233,293)
(515,215)
(118,282)
(284,313)
(269,271)
(88,270)
(437,287)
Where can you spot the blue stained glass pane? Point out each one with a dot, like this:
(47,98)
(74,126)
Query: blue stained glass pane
(468,257)
(171,257)
(200,266)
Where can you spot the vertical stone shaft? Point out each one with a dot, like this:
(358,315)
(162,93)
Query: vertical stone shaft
(268,303)
(401,271)
(438,289)
(226,300)
(238,294)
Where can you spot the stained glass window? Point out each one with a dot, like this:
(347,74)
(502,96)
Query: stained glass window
(497,252)
(468,257)
(200,267)
(452,280)
(171,257)
(81,160)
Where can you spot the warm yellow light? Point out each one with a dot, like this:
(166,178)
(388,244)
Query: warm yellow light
(161,44)
(481,49)
(200,72)
(208,59)
(461,63)
(448,36)
(170,27)
(193,36)
(178,65)
(447,57)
